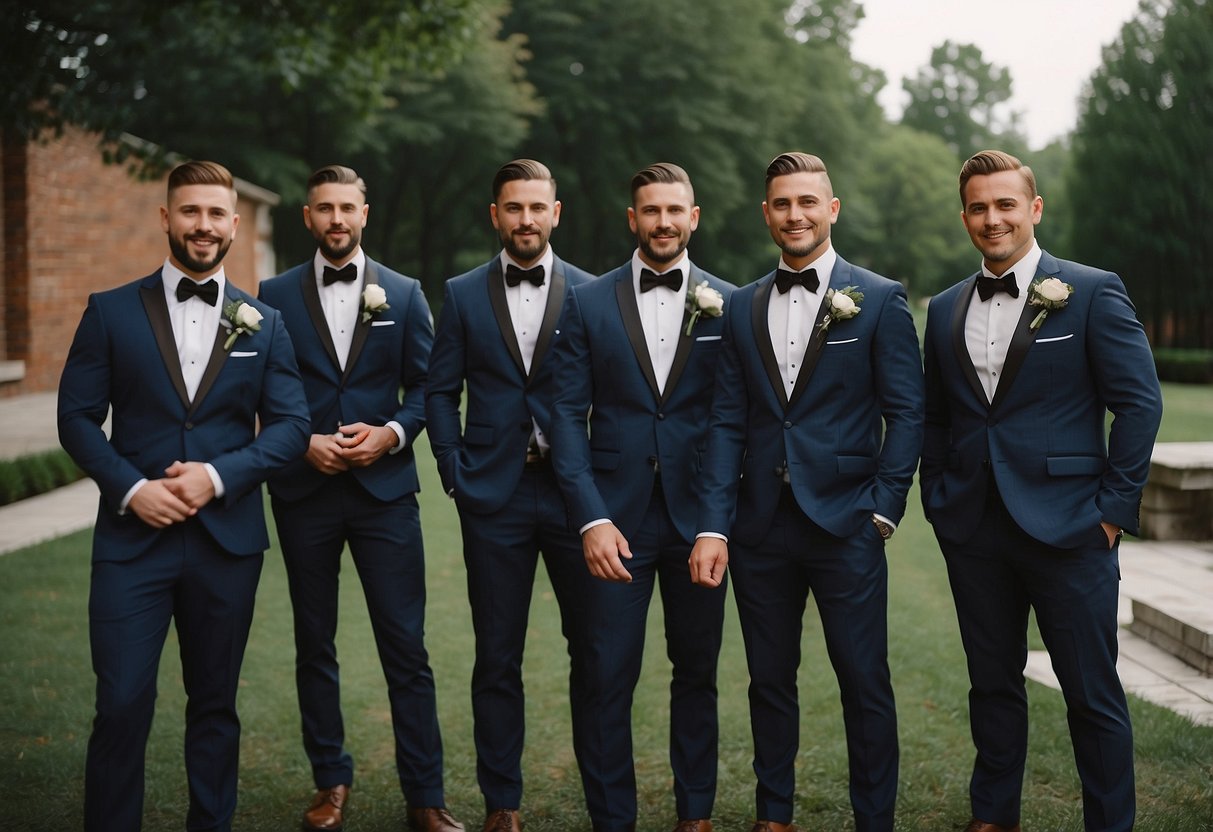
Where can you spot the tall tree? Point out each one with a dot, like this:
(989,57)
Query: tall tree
(963,99)
(1141,182)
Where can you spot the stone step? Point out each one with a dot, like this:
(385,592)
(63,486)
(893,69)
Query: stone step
(1170,589)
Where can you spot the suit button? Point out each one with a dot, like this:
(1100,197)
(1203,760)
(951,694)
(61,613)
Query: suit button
(652,460)
(189,425)
(660,416)
(985,463)
(787,425)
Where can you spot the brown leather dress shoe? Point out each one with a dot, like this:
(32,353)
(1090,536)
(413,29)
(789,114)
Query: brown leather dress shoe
(976,825)
(701,825)
(502,820)
(432,819)
(327,810)
(772,826)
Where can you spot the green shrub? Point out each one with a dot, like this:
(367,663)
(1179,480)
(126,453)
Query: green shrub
(33,474)
(1184,366)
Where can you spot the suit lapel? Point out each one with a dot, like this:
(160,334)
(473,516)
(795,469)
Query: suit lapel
(812,352)
(311,299)
(1017,351)
(682,351)
(157,315)
(361,328)
(762,338)
(501,311)
(959,346)
(215,364)
(551,314)
(630,313)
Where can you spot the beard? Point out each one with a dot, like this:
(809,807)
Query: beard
(523,252)
(802,248)
(646,246)
(180,250)
(338,253)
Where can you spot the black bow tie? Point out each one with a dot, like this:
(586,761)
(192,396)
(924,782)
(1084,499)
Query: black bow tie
(987,287)
(208,292)
(515,275)
(346,274)
(785,280)
(649,280)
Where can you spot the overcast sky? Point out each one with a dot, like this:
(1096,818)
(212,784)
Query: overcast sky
(1050,46)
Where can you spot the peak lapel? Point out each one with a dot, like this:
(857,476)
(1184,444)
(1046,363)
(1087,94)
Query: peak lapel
(812,352)
(682,350)
(551,314)
(1017,351)
(215,364)
(630,312)
(361,328)
(501,311)
(762,337)
(959,313)
(311,299)
(157,315)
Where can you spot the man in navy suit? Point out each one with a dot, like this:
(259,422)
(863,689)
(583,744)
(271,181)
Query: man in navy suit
(815,434)
(362,333)
(494,335)
(1027,491)
(188,363)
(637,356)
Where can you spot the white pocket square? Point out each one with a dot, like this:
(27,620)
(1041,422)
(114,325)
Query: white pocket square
(383,323)
(708,338)
(847,341)
(1057,338)
(239,354)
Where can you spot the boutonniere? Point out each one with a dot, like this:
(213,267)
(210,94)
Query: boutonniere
(1049,294)
(241,319)
(703,300)
(841,305)
(374,301)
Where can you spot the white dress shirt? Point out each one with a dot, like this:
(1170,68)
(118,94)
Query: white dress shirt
(791,317)
(990,324)
(527,303)
(661,312)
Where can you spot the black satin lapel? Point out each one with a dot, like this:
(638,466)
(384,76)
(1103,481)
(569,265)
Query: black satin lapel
(630,312)
(762,340)
(214,365)
(812,354)
(682,352)
(362,328)
(311,299)
(551,315)
(1021,342)
(960,346)
(157,315)
(501,311)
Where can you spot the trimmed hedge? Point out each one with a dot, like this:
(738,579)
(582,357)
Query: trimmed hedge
(1184,366)
(34,474)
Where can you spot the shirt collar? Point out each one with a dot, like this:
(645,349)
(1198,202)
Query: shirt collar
(319,261)
(548,258)
(824,264)
(683,262)
(170,276)
(1024,270)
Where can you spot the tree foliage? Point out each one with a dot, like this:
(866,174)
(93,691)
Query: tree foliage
(1141,182)
(963,99)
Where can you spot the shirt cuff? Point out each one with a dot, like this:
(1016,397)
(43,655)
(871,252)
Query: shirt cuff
(215,480)
(716,535)
(394,425)
(126,501)
(884,519)
(600,522)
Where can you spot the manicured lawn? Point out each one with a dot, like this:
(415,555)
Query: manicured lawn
(46,704)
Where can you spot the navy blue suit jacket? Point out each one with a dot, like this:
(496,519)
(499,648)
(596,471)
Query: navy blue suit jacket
(1059,472)
(850,433)
(603,372)
(388,352)
(480,464)
(124,356)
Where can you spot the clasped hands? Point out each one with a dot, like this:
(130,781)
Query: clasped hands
(185,488)
(352,446)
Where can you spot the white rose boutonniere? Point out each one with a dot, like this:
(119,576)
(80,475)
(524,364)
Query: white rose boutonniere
(1049,294)
(841,305)
(241,319)
(703,300)
(374,300)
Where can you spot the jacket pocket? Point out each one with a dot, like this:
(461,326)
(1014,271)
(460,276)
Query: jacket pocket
(604,460)
(1075,466)
(856,464)
(478,435)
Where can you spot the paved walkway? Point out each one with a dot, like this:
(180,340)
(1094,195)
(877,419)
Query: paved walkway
(27,425)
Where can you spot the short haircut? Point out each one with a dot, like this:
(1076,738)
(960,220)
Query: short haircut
(661,173)
(995,161)
(785,164)
(199,173)
(336,175)
(521,169)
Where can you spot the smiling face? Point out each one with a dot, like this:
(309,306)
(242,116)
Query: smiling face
(200,221)
(662,217)
(524,214)
(799,210)
(1000,215)
(336,215)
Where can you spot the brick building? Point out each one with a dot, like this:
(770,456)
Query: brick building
(74,225)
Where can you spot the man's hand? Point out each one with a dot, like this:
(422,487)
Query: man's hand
(709,557)
(1111,531)
(361,444)
(190,482)
(157,506)
(324,454)
(603,547)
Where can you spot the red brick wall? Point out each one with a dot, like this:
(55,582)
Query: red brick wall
(90,226)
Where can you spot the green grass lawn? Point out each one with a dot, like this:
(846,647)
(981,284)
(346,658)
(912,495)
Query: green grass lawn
(46,689)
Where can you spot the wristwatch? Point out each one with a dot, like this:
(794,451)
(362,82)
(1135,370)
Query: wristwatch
(886,531)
